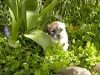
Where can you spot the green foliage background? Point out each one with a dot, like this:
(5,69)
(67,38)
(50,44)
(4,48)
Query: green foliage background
(30,57)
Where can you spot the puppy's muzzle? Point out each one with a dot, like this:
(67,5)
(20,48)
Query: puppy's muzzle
(56,35)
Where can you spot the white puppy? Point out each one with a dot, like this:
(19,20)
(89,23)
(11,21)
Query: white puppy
(57,32)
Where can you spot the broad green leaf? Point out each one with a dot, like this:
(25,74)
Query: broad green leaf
(13,17)
(39,37)
(42,13)
(20,13)
(30,15)
(15,28)
(31,5)
(24,11)
(12,5)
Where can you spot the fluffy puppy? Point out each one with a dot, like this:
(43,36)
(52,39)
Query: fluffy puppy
(57,32)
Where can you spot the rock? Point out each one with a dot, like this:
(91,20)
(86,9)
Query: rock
(74,71)
(97,68)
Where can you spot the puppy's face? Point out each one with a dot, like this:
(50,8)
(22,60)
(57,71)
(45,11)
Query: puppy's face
(55,28)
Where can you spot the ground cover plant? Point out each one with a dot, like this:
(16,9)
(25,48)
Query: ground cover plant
(28,50)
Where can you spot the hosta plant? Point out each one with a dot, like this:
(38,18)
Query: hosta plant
(25,15)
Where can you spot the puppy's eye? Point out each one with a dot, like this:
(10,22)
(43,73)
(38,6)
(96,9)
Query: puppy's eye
(53,31)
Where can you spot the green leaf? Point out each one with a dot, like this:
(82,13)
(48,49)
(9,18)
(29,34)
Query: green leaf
(12,43)
(25,65)
(39,37)
(24,11)
(30,15)
(46,3)
(12,16)
(14,31)
(12,5)
(37,72)
(31,5)
(41,14)
(48,8)
(15,28)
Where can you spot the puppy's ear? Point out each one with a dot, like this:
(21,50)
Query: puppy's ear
(47,29)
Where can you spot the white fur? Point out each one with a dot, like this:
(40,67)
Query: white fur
(63,36)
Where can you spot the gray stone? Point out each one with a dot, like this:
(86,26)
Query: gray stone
(74,71)
(97,68)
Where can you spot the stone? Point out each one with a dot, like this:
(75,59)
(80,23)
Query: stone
(74,71)
(96,68)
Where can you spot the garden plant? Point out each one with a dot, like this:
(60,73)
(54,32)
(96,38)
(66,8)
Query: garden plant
(25,49)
